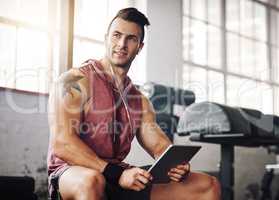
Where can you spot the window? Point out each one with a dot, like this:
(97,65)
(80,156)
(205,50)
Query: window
(234,60)
(206,84)
(25,44)
(91,21)
(202,29)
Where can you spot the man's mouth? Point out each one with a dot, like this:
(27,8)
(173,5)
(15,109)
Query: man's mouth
(121,53)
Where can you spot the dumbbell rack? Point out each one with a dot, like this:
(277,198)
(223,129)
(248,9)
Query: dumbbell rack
(227,142)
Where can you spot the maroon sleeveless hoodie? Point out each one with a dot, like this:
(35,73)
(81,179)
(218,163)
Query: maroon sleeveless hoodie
(112,119)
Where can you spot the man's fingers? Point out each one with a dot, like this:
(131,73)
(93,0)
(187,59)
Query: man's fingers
(174,179)
(139,185)
(184,167)
(175,175)
(142,179)
(145,174)
(178,171)
(136,188)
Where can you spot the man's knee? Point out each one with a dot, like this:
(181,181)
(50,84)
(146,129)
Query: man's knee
(214,184)
(211,185)
(205,183)
(91,182)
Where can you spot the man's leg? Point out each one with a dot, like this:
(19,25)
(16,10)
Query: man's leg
(197,186)
(80,183)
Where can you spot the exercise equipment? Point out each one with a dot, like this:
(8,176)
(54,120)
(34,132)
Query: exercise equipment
(17,187)
(228,126)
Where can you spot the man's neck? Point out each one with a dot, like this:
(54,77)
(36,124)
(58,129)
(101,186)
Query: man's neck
(117,73)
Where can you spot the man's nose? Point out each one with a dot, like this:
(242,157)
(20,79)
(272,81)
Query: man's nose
(122,42)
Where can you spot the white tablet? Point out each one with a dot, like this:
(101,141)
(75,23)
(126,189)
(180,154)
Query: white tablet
(172,156)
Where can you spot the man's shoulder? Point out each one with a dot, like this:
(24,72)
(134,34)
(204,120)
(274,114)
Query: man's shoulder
(71,76)
(89,65)
(72,81)
(147,106)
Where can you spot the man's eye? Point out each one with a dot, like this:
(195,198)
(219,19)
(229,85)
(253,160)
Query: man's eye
(134,39)
(116,35)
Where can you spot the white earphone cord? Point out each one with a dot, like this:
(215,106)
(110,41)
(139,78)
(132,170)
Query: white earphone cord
(122,98)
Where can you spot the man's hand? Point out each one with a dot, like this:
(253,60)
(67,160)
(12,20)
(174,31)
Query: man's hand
(180,172)
(135,179)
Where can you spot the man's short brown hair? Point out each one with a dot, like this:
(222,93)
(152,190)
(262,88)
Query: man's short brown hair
(132,15)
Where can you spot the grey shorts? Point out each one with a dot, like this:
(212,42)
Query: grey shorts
(113,192)
(53,180)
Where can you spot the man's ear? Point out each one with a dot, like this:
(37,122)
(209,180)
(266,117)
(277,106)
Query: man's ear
(140,47)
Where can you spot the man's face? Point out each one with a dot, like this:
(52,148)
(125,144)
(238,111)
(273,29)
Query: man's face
(123,42)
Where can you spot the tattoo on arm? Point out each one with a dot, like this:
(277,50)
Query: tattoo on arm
(69,82)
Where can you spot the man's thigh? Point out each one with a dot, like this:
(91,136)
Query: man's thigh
(72,179)
(193,186)
(74,176)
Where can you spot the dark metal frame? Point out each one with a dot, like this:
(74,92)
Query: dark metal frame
(227,142)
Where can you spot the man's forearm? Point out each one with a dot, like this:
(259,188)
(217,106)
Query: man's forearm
(73,151)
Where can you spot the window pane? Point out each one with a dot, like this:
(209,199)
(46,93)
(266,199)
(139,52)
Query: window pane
(248,95)
(274,20)
(216,87)
(25,10)
(186,7)
(9,8)
(246,18)
(266,100)
(198,9)
(198,51)
(186,75)
(214,12)
(56,59)
(247,57)
(214,47)
(90,18)
(84,50)
(261,64)
(186,38)
(32,48)
(233,86)
(198,83)
(277,29)
(233,56)
(32,60)
(232,15)
(260,22)
(32,79)
(114,7)
(275,63)
(30,8)
(7,55)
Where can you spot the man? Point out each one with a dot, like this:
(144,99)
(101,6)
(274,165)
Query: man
(94,113)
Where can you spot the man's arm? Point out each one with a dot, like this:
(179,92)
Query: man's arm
(67,99)
(154,140)
(151,137)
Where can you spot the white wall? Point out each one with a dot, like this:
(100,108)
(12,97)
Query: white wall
(164,49)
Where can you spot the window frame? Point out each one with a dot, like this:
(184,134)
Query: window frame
(224,44)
